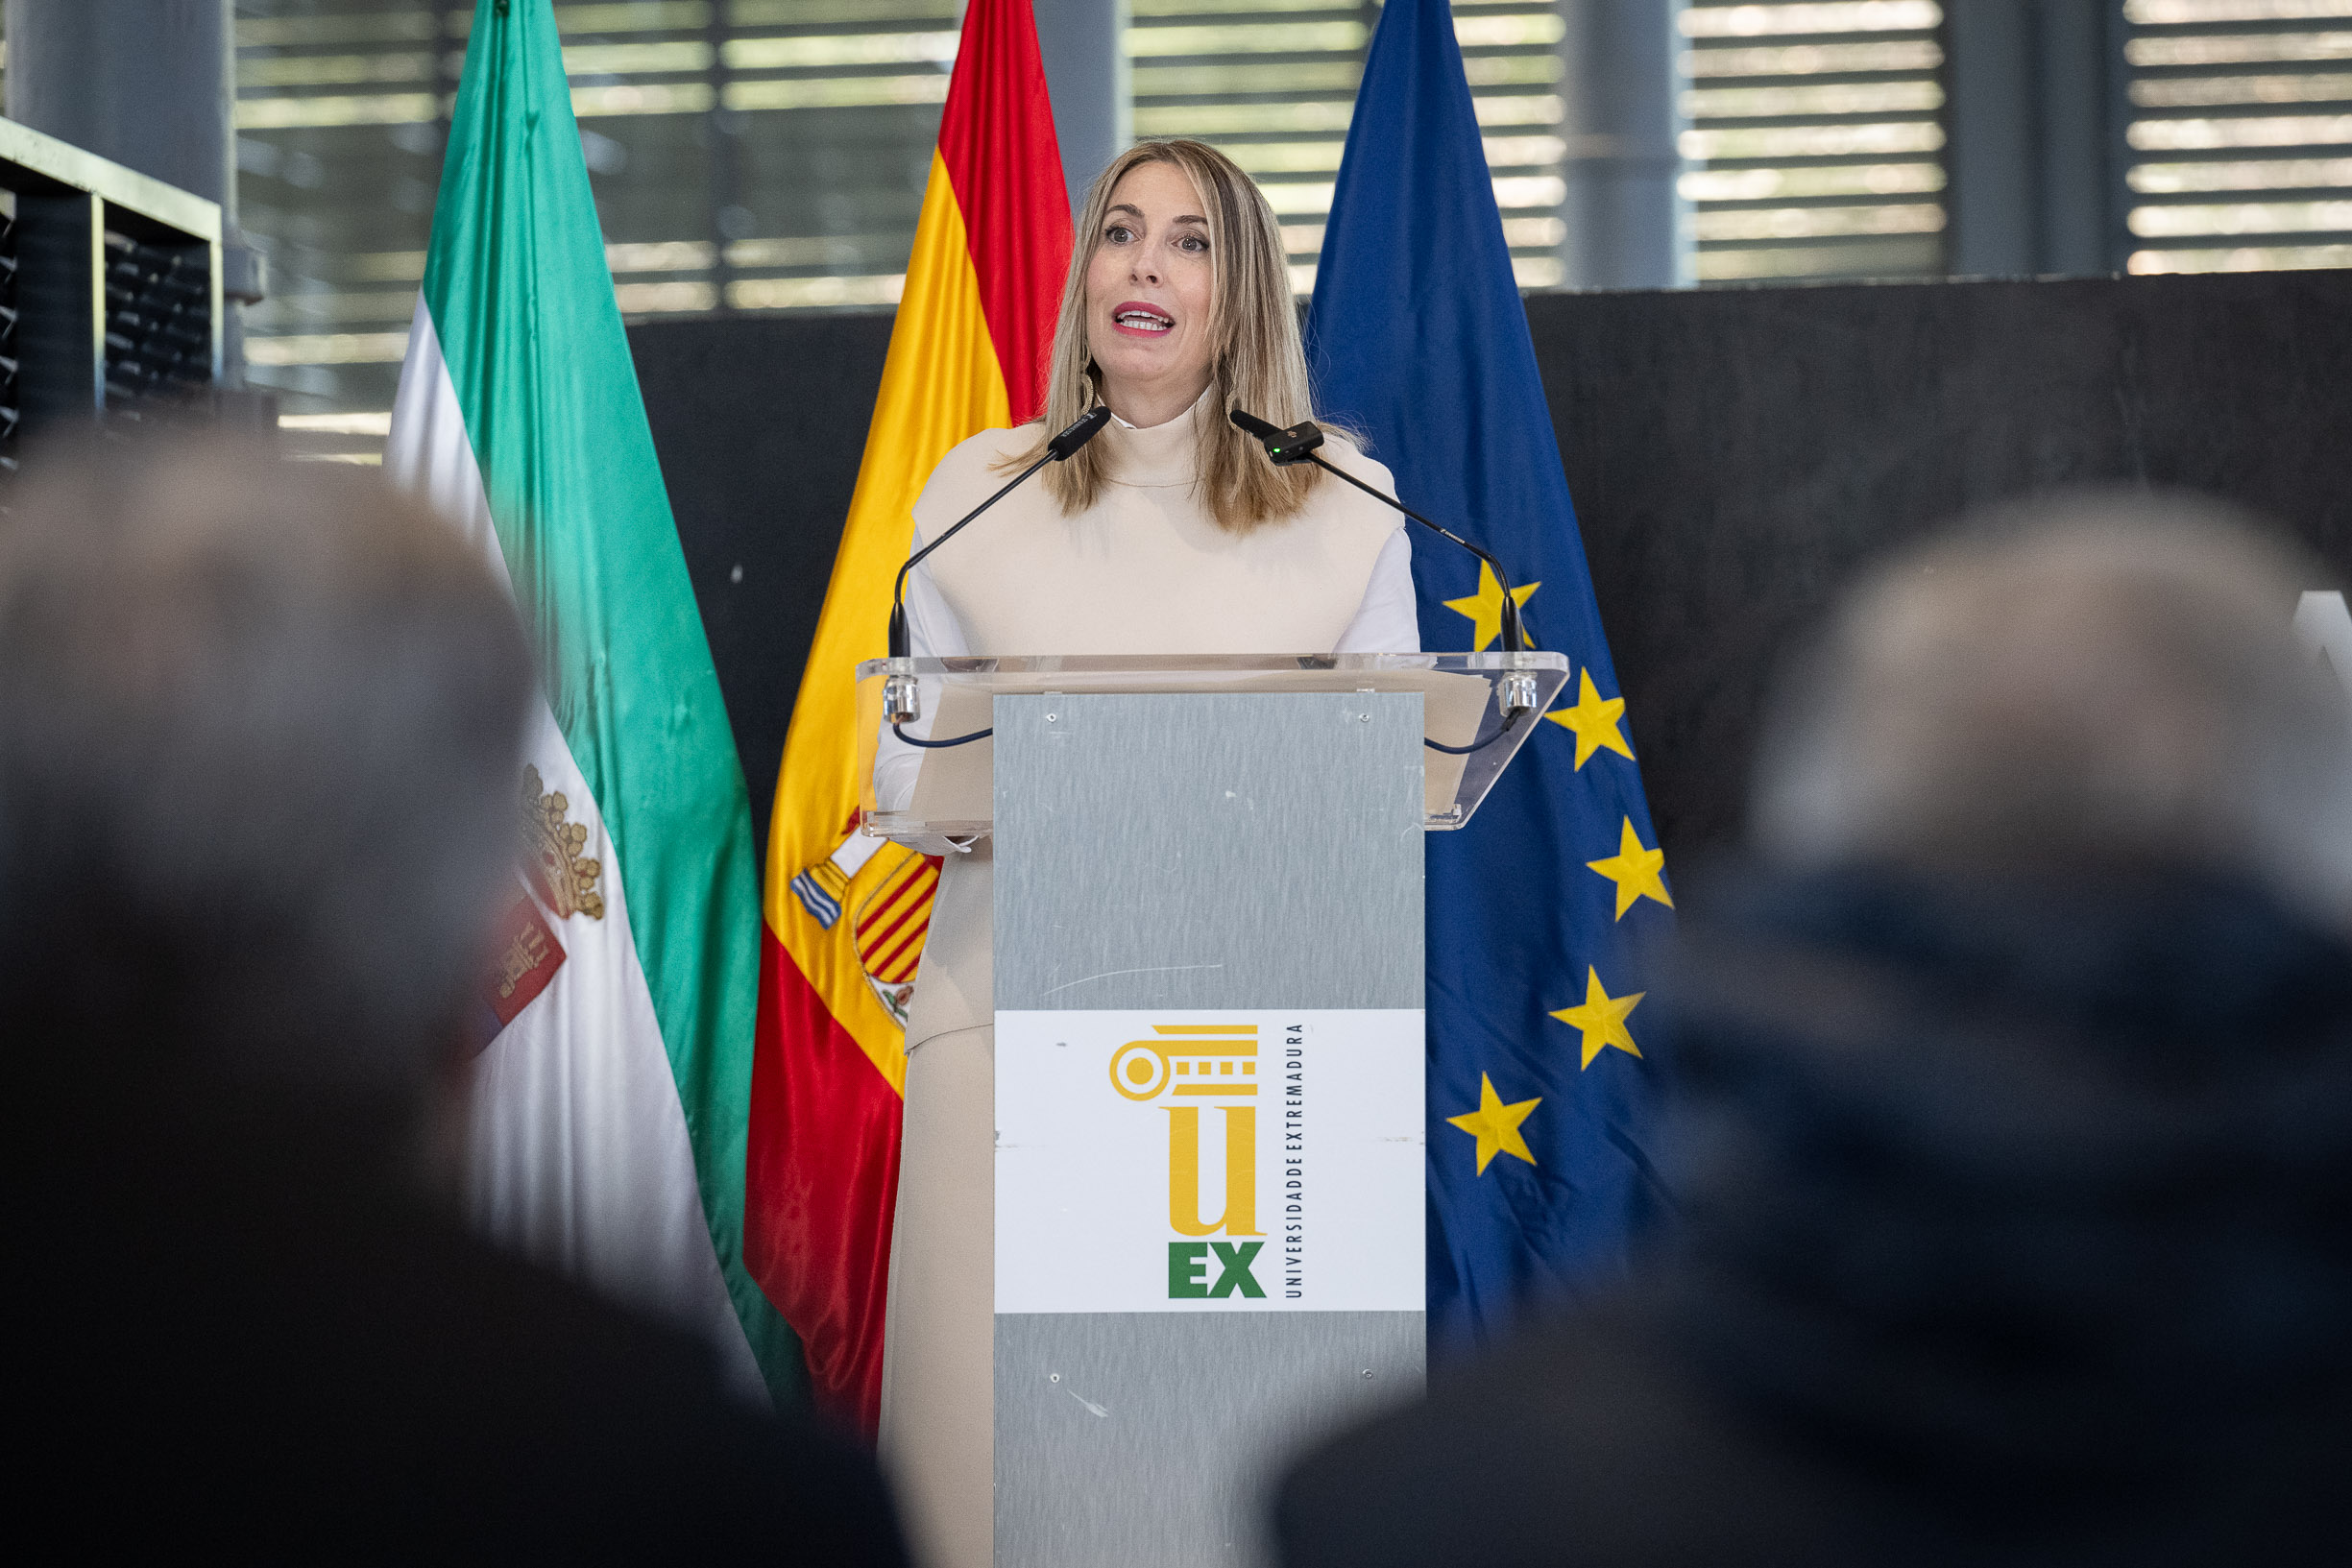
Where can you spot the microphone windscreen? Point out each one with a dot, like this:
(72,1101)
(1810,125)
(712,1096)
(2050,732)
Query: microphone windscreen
(1254,425)
(1082,430)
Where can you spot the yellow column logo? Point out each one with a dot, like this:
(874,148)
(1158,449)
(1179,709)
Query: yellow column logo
(1212,1066)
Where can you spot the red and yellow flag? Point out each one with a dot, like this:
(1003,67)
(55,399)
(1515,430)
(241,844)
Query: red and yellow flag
(845,915)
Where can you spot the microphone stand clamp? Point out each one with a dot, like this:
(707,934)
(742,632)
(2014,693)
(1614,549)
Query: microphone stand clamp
(1515,694)
(901,703)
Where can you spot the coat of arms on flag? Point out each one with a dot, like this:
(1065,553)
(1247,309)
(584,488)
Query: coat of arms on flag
(891,887)
(891,923)
(565,878)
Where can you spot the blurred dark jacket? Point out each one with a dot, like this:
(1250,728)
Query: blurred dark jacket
(2017,1228)
(336,1373)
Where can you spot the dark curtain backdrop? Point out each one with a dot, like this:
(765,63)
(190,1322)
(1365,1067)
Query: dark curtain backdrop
(1735,454)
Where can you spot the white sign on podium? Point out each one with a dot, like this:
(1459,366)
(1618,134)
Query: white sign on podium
(1209,1160)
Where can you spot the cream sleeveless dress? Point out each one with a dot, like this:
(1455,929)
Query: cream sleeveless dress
(1145,569)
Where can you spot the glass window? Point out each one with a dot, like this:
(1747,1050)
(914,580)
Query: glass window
(2241,134)
(1815,141)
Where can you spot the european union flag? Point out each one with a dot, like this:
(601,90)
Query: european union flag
(1539,1098)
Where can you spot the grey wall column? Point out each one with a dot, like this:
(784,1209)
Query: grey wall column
(1085,45)
(151,85)
(2035,108)
(1628,225)
(722,130)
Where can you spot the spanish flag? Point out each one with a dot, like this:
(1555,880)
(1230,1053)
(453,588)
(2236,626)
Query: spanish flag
(845,915)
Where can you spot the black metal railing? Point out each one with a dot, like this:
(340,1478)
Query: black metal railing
(12,404)
(158,332)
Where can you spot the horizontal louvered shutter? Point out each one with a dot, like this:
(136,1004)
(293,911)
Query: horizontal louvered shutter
(1815,139)
(2241,133)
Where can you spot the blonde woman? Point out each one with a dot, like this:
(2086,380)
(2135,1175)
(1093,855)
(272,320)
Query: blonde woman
(1170,533)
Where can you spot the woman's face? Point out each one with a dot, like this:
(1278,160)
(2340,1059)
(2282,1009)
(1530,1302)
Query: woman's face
(1148,296)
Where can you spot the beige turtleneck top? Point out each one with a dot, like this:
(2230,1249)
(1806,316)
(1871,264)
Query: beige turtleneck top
(1145,569)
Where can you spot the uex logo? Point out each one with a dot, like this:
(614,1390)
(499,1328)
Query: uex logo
(1185,1070)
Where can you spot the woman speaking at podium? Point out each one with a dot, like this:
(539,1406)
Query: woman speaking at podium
(1169,533)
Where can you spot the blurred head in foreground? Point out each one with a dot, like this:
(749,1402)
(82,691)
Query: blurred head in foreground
(260,734)
(2011,1147)
(259,727)
(2101,680)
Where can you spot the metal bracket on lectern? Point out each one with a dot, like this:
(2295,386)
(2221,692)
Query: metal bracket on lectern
(901,700)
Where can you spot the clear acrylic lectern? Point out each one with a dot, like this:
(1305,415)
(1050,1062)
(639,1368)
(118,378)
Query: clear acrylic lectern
(1463,696)
(1210,1202)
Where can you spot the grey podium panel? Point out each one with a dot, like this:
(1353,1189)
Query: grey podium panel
(1194,851)
(1127,1439)
(1187,851)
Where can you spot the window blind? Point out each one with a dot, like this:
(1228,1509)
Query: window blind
(1273,88)
(751,153)
(763,155)
(2239,141)
(1814,141)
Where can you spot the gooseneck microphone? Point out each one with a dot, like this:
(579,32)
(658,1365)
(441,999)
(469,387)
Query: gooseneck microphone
(900,701)
(1297,444)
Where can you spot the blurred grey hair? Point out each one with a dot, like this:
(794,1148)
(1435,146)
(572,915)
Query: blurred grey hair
(2090,677)
(260,728)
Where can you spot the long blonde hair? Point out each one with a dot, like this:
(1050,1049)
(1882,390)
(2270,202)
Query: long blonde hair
(1257,362)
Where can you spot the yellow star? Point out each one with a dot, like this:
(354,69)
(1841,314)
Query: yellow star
(1602,1018)
(1496,1125)
(1485,608)
(1594,722)
(1635,871)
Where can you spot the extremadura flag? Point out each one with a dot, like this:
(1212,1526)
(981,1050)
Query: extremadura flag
(613,1093)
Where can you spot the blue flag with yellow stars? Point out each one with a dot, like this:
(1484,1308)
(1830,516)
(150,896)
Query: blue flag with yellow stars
(1539,1096)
